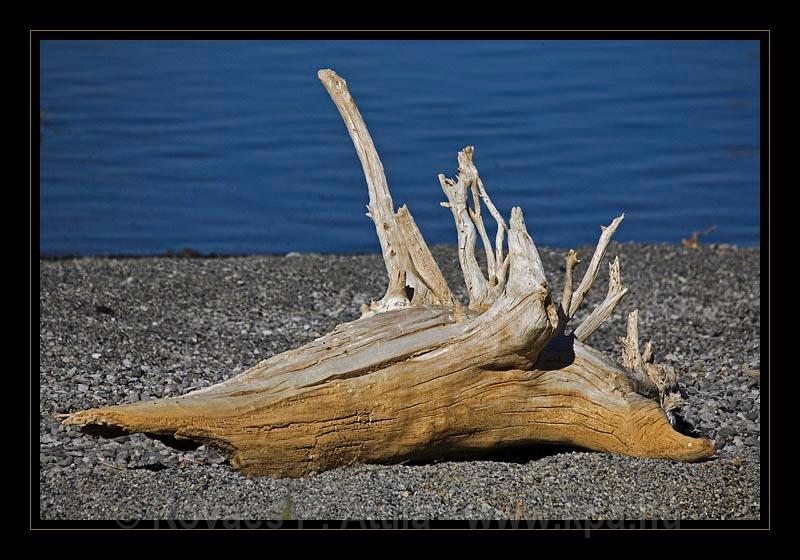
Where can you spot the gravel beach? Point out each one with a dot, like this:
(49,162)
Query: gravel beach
(122,330)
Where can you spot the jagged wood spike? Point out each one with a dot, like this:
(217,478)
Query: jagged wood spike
(566,296)
(425,268)
(457,192)
(477,219)
(380,207)
(526,266)
(594,265)
(647,353)
(652,379)
(571,262)
(632,358)
(427,379)
(616,292)
(501,223)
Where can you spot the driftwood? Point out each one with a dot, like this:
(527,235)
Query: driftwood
(419,376)
(693,242)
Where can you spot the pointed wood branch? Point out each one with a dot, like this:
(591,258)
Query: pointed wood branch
(594,266)
(501,223)
(526,266)
(425,269)
(427,379)
(632,358)
(571,262)
(566,297)
(404,250)
(456,191)
(380,208)
(475,215)
(654,380)
(615,294)
(469,220)
(647,353)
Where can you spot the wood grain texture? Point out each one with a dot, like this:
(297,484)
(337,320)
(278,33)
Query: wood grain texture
(423,378)
(335,402)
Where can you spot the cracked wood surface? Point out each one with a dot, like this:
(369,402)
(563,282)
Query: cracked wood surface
(425,378)
(301,412)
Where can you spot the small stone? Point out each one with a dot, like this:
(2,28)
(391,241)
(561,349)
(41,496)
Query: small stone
(214,457)
(153,458)
(725,433)
(83,388)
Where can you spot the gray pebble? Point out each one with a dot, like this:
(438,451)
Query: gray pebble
(726,433)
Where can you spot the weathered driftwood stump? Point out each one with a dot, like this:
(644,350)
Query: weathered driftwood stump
(420,377)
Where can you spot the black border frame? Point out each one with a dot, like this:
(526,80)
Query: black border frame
(46,30)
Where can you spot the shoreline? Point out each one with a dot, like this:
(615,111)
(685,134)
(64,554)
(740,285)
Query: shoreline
(190,253)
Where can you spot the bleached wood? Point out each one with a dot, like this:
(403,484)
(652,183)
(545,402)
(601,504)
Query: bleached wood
(571,262)
(380,208)
(632,358)
(477,219)
(457,192)
(615,294)
(483,291)
(526,266)
(664,379)
(501,224)
(594,265)
(428,379)
(566,296)
(425,269)
(647,353)
(650,379)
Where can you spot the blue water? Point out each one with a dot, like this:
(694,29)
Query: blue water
(235,147)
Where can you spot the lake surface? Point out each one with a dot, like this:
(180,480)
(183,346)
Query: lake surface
(235,146)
